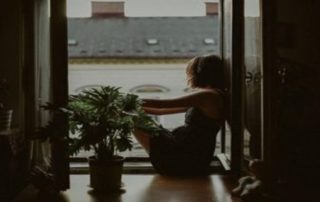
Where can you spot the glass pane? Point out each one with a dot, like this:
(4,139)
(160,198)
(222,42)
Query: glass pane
(253,68)
(42,75)
(141,46)
(227,54)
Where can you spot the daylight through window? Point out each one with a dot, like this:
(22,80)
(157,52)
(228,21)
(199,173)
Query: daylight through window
(141,46)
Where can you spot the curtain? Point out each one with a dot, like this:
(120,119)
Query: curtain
(41,151)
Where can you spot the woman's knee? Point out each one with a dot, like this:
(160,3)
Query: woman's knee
(143,138)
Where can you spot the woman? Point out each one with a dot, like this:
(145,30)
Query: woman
(188,149)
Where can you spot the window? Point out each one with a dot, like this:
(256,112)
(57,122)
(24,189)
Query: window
(150,89)
(253,135)
(72,42)
(209,41)
(143,52)
(78,90)
(152,41)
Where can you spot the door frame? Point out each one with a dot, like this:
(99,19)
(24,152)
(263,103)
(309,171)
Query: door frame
(59,73)
(235,77)
(59,62)
(58,83)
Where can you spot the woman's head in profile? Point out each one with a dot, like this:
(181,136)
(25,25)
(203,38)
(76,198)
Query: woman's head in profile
(206,71)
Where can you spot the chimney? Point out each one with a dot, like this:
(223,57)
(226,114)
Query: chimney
(107,9)
(212,8)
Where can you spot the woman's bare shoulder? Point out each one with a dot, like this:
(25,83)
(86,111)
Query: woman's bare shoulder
(209,93)
(212,103)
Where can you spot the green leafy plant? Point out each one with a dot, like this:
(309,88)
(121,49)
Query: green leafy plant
(101,119)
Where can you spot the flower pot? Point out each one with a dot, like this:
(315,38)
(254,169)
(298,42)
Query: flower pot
(5,119)
(105,175)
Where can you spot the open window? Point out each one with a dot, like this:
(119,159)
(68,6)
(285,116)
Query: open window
(143,51)
(47,82)
(106,47)
(252,139)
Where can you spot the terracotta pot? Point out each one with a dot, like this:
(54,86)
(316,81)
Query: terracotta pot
(5,119)
(105,175)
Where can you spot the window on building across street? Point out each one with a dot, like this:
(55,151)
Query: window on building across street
(152,41)
(72,42)
(149,88)
(82,88)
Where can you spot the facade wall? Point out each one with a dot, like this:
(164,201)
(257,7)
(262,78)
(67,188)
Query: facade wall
(129,76)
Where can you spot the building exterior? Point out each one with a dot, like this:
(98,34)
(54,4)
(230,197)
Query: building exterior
(142,55)
(146,56)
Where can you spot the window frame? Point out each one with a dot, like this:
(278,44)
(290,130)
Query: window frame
(236,96)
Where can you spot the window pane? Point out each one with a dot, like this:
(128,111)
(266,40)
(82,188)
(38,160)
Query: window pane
(253,100)
(141,46)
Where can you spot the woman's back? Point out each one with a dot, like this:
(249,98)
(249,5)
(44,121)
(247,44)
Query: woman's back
(188,149)
(199,134)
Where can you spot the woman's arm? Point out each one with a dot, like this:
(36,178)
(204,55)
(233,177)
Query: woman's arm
(208,101)
(162,111)
(196,99)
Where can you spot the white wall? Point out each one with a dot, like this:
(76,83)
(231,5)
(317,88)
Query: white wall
(128,76)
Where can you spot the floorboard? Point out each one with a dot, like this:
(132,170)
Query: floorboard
(144,188)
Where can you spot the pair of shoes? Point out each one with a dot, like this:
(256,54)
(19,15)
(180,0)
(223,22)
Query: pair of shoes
(251,192)
(243,181)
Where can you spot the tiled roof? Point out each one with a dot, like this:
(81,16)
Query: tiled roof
(142,37)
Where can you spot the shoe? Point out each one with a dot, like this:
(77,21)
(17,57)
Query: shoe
(243,181)
(251,192)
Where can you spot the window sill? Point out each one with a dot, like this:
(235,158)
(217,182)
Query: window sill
(140,166)
(128,168)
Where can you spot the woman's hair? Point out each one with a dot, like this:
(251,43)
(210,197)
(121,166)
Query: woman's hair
(206,71)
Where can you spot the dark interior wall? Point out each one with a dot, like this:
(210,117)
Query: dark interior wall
(11,54)
(298,45)
(297,115)
(299,26)
(13,149)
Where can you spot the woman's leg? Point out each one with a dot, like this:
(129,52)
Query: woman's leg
(143,138)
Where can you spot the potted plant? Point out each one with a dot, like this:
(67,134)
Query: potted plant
(5,113)
(102,119)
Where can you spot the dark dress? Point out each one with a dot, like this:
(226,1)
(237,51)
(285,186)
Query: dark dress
(188,149)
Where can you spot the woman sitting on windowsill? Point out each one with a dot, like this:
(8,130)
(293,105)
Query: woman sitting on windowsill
(188,149)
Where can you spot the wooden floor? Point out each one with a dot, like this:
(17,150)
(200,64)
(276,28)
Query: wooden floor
(144,188)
